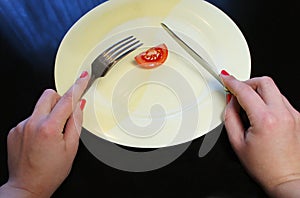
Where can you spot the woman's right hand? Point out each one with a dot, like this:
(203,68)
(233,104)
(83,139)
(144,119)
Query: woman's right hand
(270,147)
(42,148)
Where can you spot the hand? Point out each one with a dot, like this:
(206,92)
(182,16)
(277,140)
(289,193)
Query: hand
(270,147)
(41,149)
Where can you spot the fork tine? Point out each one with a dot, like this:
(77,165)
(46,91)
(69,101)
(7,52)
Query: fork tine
(126,46)
(130,49)
(116,44)
(120,49)
(123,45)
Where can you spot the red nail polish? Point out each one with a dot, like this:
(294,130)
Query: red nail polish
(228,98)
(84,74)
(82,104)
(225,73)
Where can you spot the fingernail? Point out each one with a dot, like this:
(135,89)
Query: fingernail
(82,104)
(224,73)
(228,98)
(84,74)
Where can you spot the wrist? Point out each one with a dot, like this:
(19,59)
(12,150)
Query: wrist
(8,190)
(289,189)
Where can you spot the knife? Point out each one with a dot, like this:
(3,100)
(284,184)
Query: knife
(194,54)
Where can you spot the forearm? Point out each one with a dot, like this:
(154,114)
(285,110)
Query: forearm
(287,190)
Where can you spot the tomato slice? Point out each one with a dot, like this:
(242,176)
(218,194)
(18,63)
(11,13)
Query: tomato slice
(153,57)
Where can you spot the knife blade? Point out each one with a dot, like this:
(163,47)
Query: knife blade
(193,54)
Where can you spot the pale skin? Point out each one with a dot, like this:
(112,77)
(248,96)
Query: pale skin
(41,149)
(270,148)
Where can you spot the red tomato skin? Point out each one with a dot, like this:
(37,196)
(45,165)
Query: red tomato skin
(153,57)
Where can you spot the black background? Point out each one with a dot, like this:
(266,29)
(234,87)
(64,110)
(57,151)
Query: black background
(270,30)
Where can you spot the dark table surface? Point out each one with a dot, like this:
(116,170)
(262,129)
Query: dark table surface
(270,30)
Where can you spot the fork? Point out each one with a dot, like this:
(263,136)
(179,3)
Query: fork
(109,57)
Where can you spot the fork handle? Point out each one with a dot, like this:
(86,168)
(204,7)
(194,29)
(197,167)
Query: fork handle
(90,83)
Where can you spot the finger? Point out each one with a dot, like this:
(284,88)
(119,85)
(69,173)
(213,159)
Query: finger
(290,108)
(66,105)
(73,128)
(234,124)
(18,130)
(46,103)
(247,97)
(267,90)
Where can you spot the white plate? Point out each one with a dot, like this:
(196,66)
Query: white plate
(172,104)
